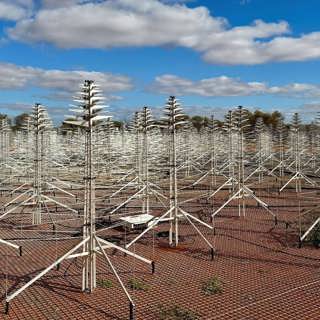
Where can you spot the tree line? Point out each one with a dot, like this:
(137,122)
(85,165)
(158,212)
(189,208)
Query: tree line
(270,119)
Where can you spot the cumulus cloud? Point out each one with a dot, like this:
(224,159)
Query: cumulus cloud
(227,87)
(124,23)
(10,12)
(117,23)
(15,10)
(15,107)
(313,107)
(18,77)
(297,90)
(61,3)
(177,1)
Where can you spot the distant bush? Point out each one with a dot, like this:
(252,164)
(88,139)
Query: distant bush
(105,283)
(315,238)
(176,312)
(136,284)
(212,286)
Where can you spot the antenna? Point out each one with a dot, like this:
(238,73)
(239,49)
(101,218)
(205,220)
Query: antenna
(37,195)
(297,150)
(237,122)
(88,115)
(173,120)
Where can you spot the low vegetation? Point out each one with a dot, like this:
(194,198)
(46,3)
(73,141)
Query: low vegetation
(212,286)
(136,284)
(104,283)
(175,312)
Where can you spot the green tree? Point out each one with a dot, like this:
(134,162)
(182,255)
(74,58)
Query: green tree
(19,120)
(5,116)
(269,119)
(118,124)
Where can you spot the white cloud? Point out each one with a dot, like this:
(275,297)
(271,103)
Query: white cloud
(298,90)
(52,4)
(18,77)
(227,87)
(15,10)
(125,23)
(117,23)
(313,107)
(177,1)
(15,107)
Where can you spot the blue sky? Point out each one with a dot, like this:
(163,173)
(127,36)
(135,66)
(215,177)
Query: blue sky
(212,54)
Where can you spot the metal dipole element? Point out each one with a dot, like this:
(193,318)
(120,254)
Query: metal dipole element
(145,162)
(189,163)
(12,245)
(298,157)
(281,145)
(263,153)
(259,128)
(230,163)
(317,142)
(89,263)
(213,158)
(298,175)
(229,128)
(41,274)
(108,129)
(242,125)
(296,148)
(4,141)
(146,126)
(317,221)
(40,124)
(239,123)
(137,128)
(173,119)
(213,132)
(87,116)
(141,124)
